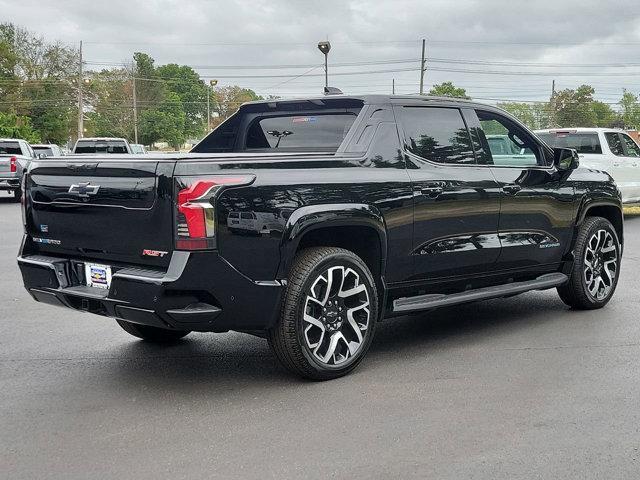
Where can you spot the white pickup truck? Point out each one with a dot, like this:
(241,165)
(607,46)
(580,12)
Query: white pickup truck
(102,146)
(15,156)
(606,149)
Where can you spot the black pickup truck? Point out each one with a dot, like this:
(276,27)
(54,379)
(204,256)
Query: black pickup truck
(308,221)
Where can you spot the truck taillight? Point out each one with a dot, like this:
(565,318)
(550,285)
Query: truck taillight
(195,209)
(13,168)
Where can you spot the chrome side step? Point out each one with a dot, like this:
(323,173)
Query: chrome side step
(429,301)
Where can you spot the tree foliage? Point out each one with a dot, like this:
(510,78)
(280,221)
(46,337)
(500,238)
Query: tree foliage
(14,126)
(229,99)
(630,110)
(448,89)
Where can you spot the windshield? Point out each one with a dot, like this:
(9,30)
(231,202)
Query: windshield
(101,146)
(10,148)
(582,142)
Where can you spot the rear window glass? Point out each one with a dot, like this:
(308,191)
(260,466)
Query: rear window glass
(582,142)
(310,132)
(92,146)
(10,148)
(46,150)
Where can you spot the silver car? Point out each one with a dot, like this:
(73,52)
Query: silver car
(15,156)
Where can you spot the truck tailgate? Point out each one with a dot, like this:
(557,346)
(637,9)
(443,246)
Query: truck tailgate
(118,210)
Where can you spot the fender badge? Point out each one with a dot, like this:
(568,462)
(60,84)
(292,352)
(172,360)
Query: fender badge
(153,253)
(47,241)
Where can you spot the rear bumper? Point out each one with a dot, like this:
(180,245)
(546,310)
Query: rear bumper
(199,291)
(9,183)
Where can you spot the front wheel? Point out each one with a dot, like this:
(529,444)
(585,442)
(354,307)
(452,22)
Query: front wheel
(596,266)
(328,315)
(152,334)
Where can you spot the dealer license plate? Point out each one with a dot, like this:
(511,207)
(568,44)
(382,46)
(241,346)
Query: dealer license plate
(98,276)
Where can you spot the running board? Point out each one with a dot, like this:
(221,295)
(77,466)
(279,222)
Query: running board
(429,301)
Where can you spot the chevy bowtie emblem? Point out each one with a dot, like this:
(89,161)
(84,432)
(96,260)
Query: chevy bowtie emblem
(84,189)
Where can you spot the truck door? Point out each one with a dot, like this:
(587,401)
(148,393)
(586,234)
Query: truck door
(456,201)
(536,206)
(630,164)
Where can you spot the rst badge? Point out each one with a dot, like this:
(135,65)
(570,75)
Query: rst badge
(153,253)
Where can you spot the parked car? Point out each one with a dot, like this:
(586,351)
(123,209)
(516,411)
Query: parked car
(101,145)
(610,150)
(390,205)
(138,148)
(255,222)
(506,152)
(15,156)
(47,150)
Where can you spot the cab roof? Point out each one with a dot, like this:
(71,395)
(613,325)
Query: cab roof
(368,99)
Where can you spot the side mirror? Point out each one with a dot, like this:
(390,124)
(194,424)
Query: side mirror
(565,159)
(41,156)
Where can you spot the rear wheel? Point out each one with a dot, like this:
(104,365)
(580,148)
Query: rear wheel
(328,315)
(596,267)
(152,334)
(17,195)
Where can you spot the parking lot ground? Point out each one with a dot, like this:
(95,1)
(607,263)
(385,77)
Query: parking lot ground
(513,388)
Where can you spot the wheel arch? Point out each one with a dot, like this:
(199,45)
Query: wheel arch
(359,228)
(609,210)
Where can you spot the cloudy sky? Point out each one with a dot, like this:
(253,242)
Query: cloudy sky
(495,49)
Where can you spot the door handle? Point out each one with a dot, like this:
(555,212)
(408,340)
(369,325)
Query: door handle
(432,190)
(511,189)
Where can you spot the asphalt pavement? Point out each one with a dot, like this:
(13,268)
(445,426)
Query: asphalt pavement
(506,389)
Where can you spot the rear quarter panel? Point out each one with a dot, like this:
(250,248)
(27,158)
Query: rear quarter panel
(284,186)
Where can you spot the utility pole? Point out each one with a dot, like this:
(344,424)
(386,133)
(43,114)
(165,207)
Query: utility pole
(80,99)
(552,103)
(393,86)
(135,110)
(422,68)
(208,109)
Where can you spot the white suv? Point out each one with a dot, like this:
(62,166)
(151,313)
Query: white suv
(610,150)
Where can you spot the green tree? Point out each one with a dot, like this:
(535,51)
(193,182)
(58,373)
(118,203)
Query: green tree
(191,91)
(630,110)
(522,111)
(111,98)
(448,89)
(38,82)
(573,108)
(167,122)
(229,99)
(14,126)
(605,115)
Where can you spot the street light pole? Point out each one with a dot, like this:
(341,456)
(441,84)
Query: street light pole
(212,84)
(324,47)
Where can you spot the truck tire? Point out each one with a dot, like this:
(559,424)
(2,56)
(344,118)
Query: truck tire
(17,195)
(328,315)
(596,268)
(152,334)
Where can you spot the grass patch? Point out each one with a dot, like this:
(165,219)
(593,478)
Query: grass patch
(632,211)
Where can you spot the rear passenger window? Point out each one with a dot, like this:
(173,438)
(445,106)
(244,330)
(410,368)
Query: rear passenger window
(437,134)
(615,144)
